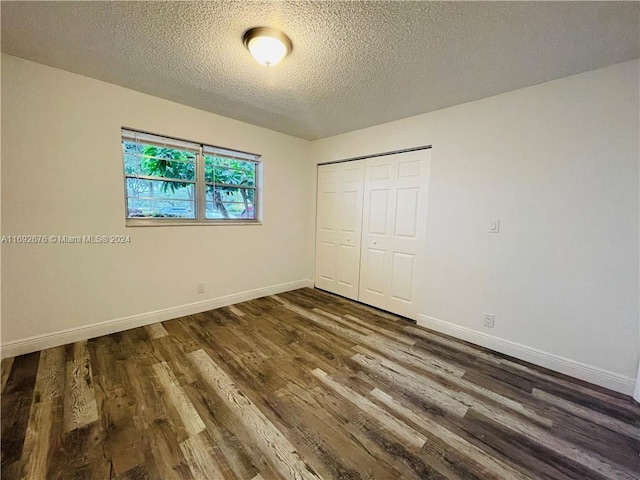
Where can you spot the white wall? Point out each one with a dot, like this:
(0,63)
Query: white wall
(558,165)
(62,174)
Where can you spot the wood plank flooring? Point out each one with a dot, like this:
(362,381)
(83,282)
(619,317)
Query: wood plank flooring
(304,385)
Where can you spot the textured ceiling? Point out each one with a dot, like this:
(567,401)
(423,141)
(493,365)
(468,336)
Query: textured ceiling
(353,65)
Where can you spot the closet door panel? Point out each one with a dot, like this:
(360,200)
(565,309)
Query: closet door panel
(376,212)
(401,287)
(409,231)
(394,230)
(326,226)
(372,281)
(407,207)
(325,264)
(338,228)
(379,208)
(348,265)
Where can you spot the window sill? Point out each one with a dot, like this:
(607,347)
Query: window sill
(151,222)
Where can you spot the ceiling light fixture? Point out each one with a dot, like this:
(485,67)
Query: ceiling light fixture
(267,45)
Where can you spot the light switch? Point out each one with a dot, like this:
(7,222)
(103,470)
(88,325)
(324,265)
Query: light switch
(494,226)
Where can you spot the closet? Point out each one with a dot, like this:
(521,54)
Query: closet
(371,229)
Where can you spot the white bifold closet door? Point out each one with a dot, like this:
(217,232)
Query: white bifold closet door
(338,227)
(371,228)
(394,230)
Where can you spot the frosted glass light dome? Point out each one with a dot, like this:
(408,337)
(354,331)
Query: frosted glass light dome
(267,45)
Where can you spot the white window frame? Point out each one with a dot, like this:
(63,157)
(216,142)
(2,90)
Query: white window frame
(200,183)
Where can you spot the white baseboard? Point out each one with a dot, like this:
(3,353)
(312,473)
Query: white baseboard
(48,340)
(598,376)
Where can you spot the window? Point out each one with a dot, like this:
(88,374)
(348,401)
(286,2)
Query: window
(170,181)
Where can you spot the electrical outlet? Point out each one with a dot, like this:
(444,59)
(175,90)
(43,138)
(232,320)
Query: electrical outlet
(488,320)
(201,288)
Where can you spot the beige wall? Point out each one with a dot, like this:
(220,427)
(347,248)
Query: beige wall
(62,174)
(558,165)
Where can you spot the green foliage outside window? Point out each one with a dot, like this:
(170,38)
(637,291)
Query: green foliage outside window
(229,183)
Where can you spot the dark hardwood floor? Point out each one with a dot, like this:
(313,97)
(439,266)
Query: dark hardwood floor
(303,385)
